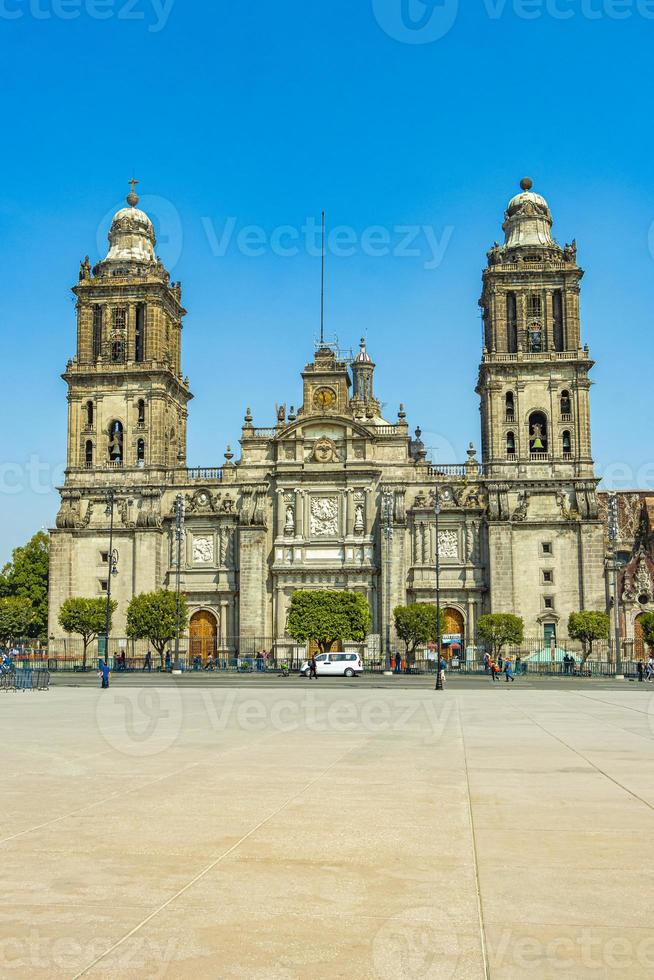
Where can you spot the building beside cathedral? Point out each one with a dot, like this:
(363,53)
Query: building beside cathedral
(333,494)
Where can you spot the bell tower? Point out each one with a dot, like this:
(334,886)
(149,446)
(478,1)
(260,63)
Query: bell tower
(127,399)
(534,375)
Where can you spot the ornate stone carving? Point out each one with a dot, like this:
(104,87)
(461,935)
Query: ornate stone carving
(520,513)
(324,517)
(324,451)
(448,544)
(202,551)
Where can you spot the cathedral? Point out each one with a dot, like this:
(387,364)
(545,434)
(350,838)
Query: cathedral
(333,494)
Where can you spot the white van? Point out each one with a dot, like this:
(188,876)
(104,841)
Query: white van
(335,665)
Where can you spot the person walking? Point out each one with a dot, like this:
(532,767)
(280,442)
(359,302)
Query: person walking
(494,669)
(398,662)
(168,660)
(640,667)
(649,670)
(313,669)
(487,662)
(147,663)
(508,670)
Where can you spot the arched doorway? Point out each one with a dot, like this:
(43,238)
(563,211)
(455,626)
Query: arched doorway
(203,635)
(453,632)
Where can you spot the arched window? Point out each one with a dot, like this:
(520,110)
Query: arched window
(116,443)
(511,323)
(140,452)
(88,453)
(566,443)
(538,435)
(535,323)
(566,405)
(510,407)
(557,309)
(510,444)
(141,410)
(89,415)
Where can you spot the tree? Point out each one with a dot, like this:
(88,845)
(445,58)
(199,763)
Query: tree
(327,616)
(86,617)
(26,576)
(417,624)
(588,626)
(153,616)
(647,623)
(499,629)
(16,617)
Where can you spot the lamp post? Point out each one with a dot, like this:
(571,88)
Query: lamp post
(439,631)
(179,533)
(112,560)
(388,535)
(613,567)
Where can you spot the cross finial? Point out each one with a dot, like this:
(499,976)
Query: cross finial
(132,197)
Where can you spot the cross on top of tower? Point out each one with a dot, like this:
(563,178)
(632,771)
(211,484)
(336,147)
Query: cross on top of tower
(132,197)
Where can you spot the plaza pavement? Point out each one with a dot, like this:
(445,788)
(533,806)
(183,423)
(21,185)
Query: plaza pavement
(338,831)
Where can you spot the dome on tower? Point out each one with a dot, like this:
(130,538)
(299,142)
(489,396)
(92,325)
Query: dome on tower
(528,219)
(131,238)
(363,357)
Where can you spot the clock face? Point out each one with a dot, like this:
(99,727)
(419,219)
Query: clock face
(324,398)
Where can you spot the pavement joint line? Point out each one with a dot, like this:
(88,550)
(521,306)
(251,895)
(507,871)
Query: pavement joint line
(217,861)
(588,761)
(127,792)
(480,905)
(621,707)
(89,806)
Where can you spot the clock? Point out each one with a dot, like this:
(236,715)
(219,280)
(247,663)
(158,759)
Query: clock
(324,398)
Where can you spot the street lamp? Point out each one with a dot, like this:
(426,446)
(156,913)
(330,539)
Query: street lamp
(179,533)
(388,535)
(112,559)
(613,566)
(439,632)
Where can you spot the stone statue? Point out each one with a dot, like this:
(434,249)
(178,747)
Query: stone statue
(359,519)
(289,527)
(85,269)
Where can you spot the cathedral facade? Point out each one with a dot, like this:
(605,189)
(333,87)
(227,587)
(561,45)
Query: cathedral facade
(333,495)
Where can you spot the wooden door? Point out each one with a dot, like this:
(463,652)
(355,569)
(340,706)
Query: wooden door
(203,635)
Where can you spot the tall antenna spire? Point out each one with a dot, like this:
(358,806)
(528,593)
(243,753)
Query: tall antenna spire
(322,286)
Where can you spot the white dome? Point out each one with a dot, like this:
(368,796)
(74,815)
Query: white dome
(528,219)
(131,238)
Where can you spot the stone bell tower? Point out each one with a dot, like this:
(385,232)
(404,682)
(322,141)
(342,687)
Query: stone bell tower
(534,375)
(127,399)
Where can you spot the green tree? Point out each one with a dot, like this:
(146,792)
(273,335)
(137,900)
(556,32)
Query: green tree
(16,617)
(153,616)
(588,626)
(647,623)
(26,576)
(497,630)
(86,617)
(417,625)
(327,616)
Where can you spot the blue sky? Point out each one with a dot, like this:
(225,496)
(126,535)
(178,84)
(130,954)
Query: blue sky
(388,113)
